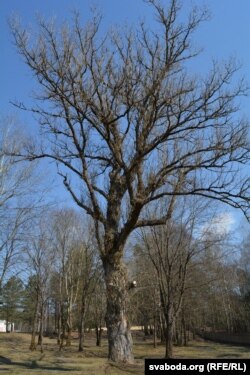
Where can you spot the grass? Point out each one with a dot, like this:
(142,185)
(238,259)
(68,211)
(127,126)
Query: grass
(15,357)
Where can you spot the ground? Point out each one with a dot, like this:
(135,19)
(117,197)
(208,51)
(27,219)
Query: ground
(15,357)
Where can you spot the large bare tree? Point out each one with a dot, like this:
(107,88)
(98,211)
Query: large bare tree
(124,119)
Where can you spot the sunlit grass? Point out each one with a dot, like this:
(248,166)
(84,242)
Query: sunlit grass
(16,358)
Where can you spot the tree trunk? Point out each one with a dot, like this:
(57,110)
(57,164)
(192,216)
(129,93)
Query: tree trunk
(155,331)
(34,326)
(169,332)
(146,331)
(162,328)
(179,332)
(183,322)
(56,317)
(69,336)
(40,337)
(39,340)
(169,340)
(59,324)
(82,320)
(98,331)
(81,335)
(81,326)
(69,325)
(33,339)
(119,335)
(62,335)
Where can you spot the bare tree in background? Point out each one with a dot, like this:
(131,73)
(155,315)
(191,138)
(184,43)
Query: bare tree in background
(67,234)
(171,248)
(12,178)
(40,259)
(17,182)
(88,281)
(74,271)
(124,118)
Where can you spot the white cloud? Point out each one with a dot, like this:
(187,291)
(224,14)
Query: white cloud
(221,224)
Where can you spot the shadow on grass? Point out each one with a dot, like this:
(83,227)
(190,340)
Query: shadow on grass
(32,365)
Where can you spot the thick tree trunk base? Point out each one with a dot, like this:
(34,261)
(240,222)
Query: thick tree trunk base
(119,336)
(120,343)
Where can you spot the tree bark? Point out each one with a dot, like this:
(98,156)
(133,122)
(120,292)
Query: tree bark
(155,331)
(81,327)
(169,340)
(34,326)
(162,328)
(183,322)
(59,324)
(39,332)
(169,331)
(40,337)
(69,332)
(7,324)
(119,335)
(145,329)
(62,334)
(81,335)
(69,335)
(69,324)
(33,338)
(98,331)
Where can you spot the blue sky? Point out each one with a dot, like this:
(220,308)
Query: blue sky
(226,34)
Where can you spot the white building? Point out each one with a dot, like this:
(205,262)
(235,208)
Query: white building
(3,326)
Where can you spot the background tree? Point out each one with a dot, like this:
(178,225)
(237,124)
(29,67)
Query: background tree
(145,298)
(17,183)
(40,258)
(96,309)
(213,298)
(171,249)
(11,301)
(29,304)
(124,118)
(73,272)
(68,246)
(88,278)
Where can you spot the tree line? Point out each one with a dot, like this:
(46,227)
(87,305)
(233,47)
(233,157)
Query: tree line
(187,281)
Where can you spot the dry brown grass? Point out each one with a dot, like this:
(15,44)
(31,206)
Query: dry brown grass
(16,359)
